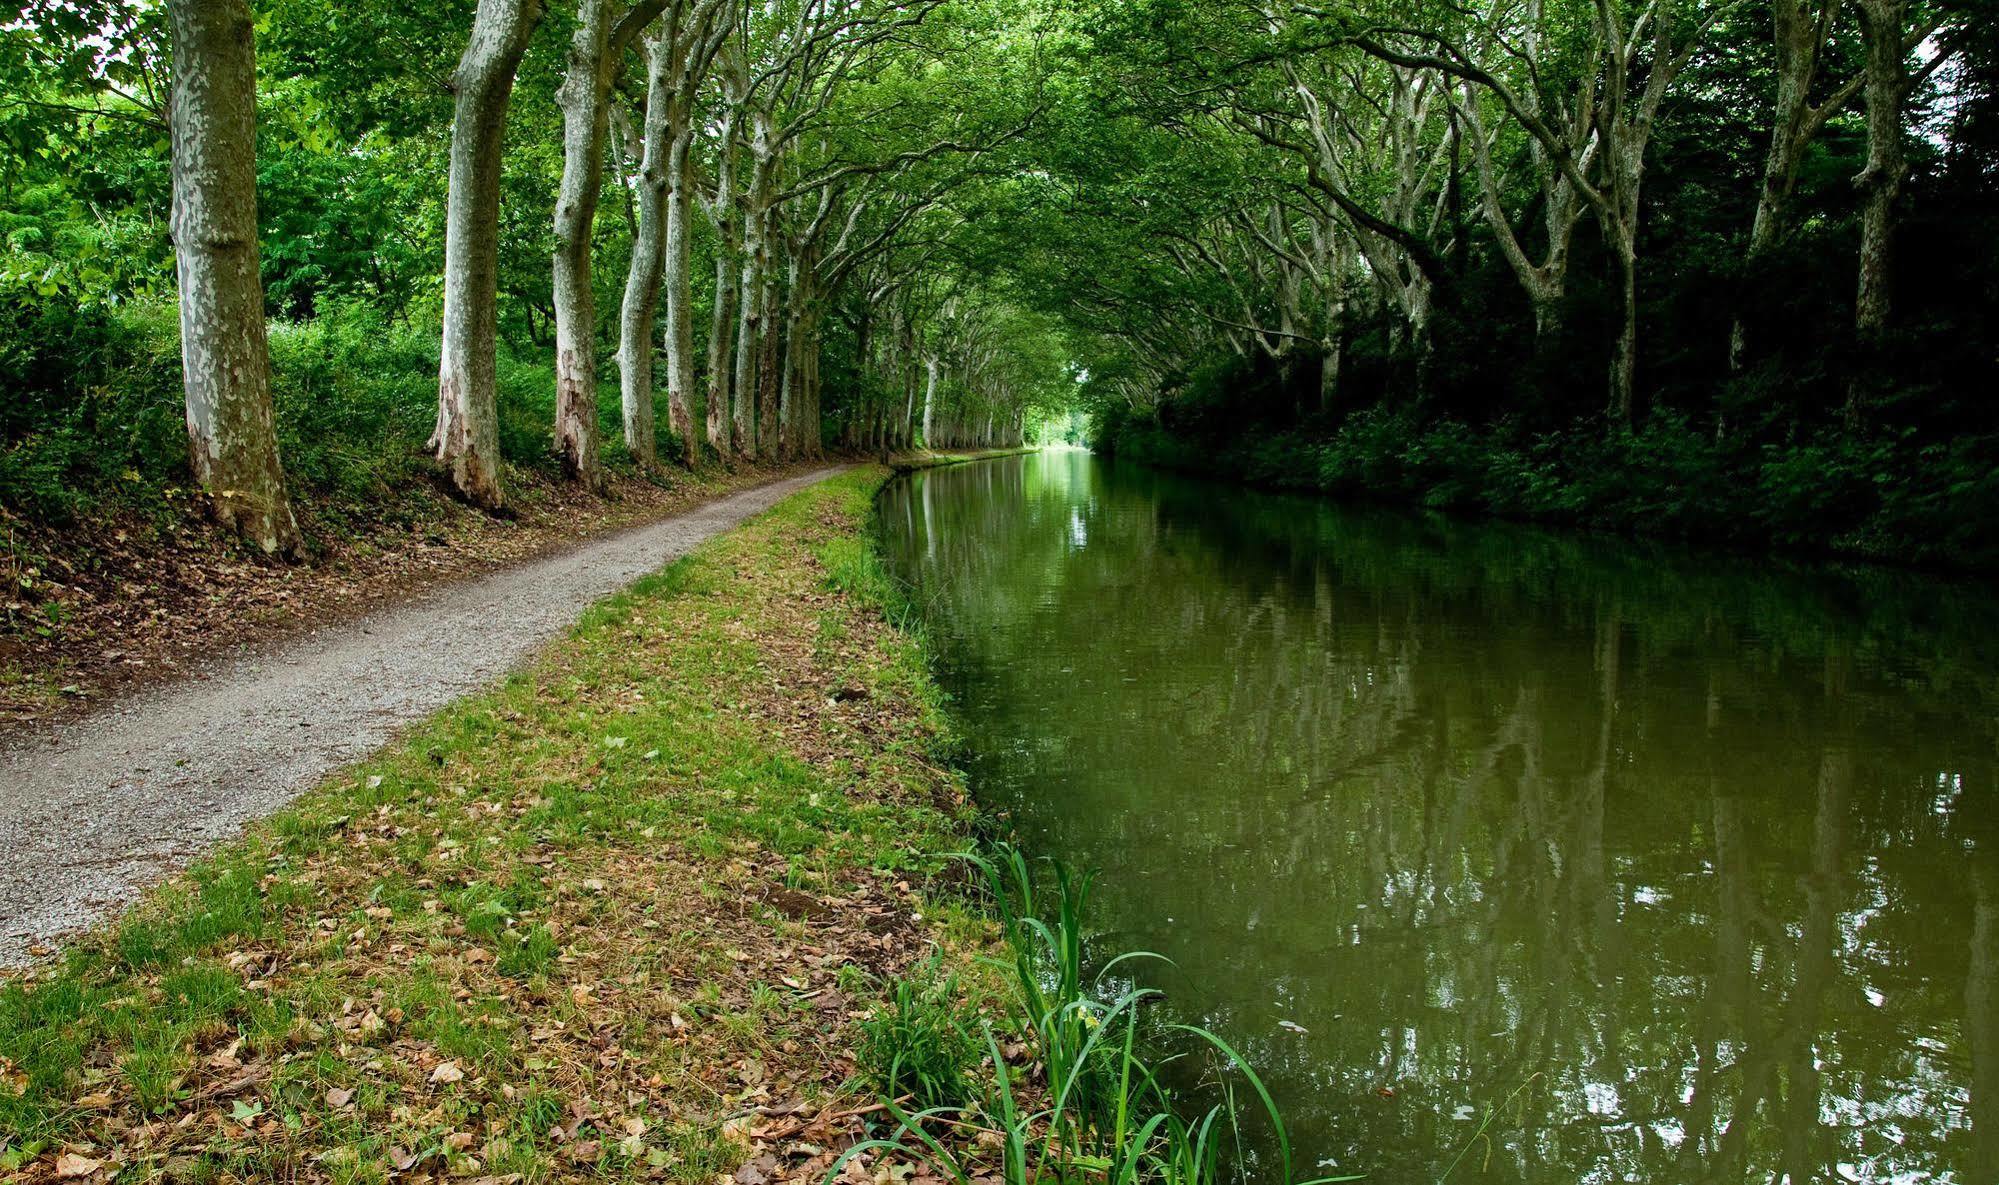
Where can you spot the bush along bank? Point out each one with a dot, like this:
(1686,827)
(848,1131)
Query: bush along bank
(680,900)
(1889,498)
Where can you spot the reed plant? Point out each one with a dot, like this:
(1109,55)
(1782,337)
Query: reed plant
(1090,1105)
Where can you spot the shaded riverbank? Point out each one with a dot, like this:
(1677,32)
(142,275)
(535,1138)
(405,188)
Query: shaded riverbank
(1886,499)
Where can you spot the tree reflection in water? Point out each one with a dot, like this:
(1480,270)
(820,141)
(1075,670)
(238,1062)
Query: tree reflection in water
(1700,850)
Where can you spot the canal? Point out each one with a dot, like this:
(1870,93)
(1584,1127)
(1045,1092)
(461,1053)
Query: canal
(1565,859)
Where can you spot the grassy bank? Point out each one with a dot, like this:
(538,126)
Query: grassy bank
(1891,498)
(616,917)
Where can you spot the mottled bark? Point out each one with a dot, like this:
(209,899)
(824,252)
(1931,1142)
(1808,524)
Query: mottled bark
(1799,33)
(719,353)
(231,426)
(769,443)
(1885,88)
(1546,282)
(680,298)
(790,390)
(641,300)
(754,290)
(749,319)
(467,437)
(586,119)
(722,215)
(1880,182)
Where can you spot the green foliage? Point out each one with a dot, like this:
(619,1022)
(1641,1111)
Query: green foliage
(924,1042)
(97,420)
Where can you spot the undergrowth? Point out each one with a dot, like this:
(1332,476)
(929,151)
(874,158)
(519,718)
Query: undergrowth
(1885,496)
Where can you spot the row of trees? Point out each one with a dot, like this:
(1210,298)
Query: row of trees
(888,221)
(789,174)
(1670,188)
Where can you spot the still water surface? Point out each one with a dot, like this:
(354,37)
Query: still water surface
(1694,857)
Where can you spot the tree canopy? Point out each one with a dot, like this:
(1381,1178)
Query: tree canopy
(1743,225)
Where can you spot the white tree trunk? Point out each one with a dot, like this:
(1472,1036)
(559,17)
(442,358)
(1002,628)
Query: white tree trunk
(586,121)
(723,208)
(231,426)
(719,353)
(930,365)
(1880,183)
(750,315)
(641,302)
(1799,32)
(680,298)
(467,437)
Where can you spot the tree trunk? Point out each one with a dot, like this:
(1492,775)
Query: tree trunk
(756,260)
(680,299)
(1880,182)
(1624,360)
(231,426)
(467,437)
(719,354)
(1331,344)
(586,119)
(1799,28)
(929,400)
(749,317)
(789,391)
(641,301)
(719,385)
(768,444)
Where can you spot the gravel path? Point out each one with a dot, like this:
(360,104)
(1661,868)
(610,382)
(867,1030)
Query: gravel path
(93,811)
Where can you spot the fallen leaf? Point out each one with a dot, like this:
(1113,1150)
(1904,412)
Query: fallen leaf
(447,1072)
(70,1165)
(338,1097)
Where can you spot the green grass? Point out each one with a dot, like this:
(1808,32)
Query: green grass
(553,887)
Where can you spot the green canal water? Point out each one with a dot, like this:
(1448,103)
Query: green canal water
(1679,867)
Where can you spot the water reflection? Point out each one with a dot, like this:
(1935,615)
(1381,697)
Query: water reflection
(1691,859)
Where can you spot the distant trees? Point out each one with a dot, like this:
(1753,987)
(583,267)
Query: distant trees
(1373,166)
